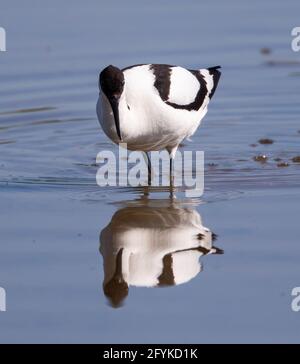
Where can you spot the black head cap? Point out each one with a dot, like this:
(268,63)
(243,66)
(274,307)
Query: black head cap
(116,290)
(111,81)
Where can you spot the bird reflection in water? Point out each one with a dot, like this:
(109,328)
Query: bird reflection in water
(154,244)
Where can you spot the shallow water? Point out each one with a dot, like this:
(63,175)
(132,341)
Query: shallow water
(52,211)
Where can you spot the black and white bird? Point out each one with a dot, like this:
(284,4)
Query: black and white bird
(153,246)
(154,106)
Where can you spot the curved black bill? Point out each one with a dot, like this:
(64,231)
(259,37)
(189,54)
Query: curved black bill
(114,102)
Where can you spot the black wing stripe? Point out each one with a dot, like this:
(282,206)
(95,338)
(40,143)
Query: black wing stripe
(167,275)
(200,97)
(216,77)
(162,73)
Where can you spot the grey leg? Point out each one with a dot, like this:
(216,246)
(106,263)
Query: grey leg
(171,171)
(149,169)
(171,177)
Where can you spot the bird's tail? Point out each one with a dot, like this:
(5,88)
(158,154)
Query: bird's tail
(215,74)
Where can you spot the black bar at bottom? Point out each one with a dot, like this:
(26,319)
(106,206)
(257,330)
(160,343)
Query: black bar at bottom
(136,353)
